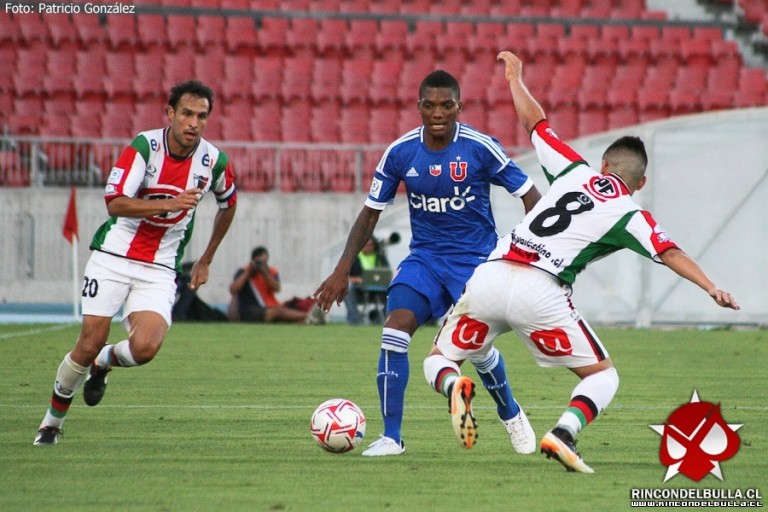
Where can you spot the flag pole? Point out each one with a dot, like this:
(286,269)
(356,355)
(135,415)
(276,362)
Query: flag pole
(75,280)
(71,233)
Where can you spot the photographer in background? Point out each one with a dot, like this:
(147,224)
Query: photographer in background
(372,256)
(253,292)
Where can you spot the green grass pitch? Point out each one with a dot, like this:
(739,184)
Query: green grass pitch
(219,422)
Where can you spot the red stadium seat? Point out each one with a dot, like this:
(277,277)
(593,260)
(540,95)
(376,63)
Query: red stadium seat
(422,40)
(302,37)
(324,122)
(60,65)
(259,176)
(297,76)
(148,116)
(696,52)
(390,40)
(484,44)
(339,172)
(295,121)
(268,77)
(566,9)
(120,69)
(122,33)
(476,116)
(235,121)
(210,32)
(241,36)
(147,81)
(414,6)
(449,7)
(505,8)
(115,125)
(90,31)
(152,32)
(178,67)
(61,29)
(265,125)
(353,123)
(32,27)
(87,118)
(384,124)
(30,71)
(622,116)
(13,172)
(325,79)
(385,80)
(564,119)
(360,41)
(691,78)
(652,103)
(9,30)
(753,88)
(684,101)
(716,99)
(181,30)
(355,75)
(238,76)
(209,66)
(383,6)
(330,37)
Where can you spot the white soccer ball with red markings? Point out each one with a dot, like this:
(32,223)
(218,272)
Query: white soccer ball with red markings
(337,425)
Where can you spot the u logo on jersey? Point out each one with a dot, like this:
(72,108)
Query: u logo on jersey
(469,333)
(458,171)
(554,342)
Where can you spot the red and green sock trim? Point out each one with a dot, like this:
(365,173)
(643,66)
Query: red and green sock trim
(59,405)
(584,409)
(442,375)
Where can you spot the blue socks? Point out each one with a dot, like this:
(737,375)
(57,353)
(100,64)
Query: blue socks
(392,379)
(493,373)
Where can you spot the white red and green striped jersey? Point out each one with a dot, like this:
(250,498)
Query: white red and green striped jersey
(147,170)
(583,217)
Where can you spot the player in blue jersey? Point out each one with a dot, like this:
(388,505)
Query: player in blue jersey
(447,168)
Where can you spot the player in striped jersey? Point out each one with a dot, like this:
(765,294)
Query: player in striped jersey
(151,194)
(447,168)
(525,285)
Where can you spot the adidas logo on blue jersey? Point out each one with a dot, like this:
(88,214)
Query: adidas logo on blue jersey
(412,173)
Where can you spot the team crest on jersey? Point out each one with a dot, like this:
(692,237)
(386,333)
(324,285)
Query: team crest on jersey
(200,181)
(435,169)
(458,171)
(151,170)
(604,187)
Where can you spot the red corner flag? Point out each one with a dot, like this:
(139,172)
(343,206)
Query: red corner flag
(70,230)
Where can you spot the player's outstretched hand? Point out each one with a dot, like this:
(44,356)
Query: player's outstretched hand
(724,299)
(333,289)
(513,66)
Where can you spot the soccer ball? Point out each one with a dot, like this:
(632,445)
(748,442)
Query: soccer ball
(337,425)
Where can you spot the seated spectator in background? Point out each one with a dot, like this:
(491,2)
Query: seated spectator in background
(372,256)
(188,307)
(253,296)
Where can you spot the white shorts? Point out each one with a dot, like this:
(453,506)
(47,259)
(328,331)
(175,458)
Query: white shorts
(111,282)
(503,296)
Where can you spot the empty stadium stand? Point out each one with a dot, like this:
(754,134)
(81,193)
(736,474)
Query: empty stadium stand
(347,71)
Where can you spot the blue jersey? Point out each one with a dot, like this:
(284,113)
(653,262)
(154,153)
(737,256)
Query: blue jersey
(448,191)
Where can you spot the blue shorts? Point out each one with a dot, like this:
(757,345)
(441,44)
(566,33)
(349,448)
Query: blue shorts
(428,285)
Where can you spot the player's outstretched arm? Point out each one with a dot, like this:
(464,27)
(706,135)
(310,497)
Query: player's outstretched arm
(528,109)
(686,267)
(336,286)
(221,223)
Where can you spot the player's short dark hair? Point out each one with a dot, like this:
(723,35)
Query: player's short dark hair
(440,78)
(632,144)
(193,87)
(628,158)
(258,251)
